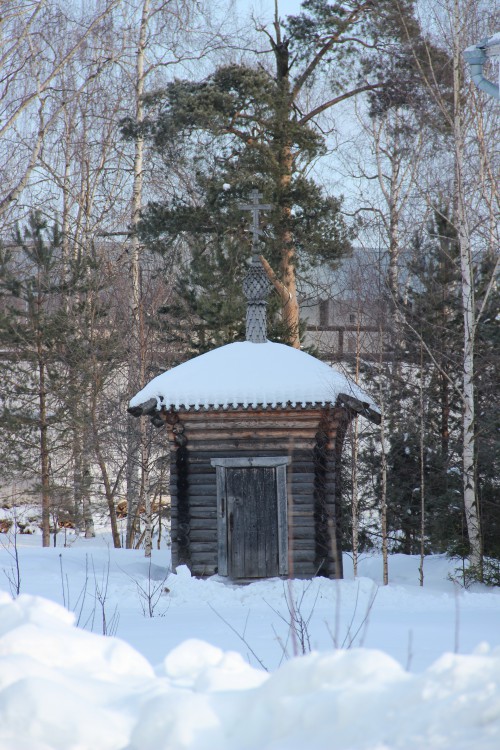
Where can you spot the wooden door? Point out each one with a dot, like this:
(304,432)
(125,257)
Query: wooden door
(252,522)
(252,516)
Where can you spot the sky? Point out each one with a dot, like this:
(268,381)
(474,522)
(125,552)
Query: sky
(266,7)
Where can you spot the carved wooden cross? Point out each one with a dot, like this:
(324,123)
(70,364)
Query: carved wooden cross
(255,207)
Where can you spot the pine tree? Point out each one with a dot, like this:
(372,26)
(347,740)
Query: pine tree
(431,357)
(49,304)
(32,321)
(434,334)
(215,243)
(250,127)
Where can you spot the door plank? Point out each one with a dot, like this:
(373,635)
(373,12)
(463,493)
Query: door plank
(253,522)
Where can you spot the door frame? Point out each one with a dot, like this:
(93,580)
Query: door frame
(277,462)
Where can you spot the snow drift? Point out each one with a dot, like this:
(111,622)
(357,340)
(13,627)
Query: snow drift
(62,688)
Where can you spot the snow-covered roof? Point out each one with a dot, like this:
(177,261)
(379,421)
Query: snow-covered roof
(249,375)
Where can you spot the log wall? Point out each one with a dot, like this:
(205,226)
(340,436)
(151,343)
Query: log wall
(311,436)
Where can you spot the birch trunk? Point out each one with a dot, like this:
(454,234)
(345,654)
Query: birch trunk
(394,199)
(108,490)
(44,449)
(354,461)
(422,469)
(135,435)
(88,520)
(355,495)
(145,491)
(467,288)
(383,472)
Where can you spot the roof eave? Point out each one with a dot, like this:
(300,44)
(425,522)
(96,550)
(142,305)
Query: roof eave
(364,408)
(147,408)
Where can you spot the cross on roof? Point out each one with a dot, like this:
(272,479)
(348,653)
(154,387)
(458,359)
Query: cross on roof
(255,207)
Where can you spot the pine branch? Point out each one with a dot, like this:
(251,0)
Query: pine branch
(338,99)
(327,46)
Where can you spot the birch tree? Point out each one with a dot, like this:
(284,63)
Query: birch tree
(167,32)
(39,40)
(473,180)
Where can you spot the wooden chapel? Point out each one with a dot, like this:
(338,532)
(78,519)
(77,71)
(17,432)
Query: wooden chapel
(255,433)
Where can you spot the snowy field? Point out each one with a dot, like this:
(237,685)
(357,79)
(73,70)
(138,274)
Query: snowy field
(218,667)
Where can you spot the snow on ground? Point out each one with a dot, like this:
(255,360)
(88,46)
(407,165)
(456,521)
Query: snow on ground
(385,667)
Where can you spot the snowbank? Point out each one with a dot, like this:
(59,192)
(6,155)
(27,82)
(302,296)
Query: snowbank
(65,689)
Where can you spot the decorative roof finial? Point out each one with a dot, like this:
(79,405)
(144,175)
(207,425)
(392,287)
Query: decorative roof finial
(256,285)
